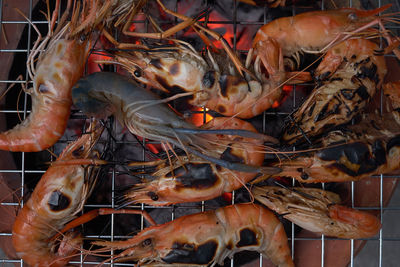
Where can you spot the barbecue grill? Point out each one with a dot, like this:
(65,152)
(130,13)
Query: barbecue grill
(237,22)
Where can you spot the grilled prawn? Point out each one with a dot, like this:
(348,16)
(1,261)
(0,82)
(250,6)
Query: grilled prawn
(207,238)
(102,94)
(349,74)
(57,198)
(314,32)
(61,58)
(195,179)
(212,79)
(318,211)
(349,153)
(58,67)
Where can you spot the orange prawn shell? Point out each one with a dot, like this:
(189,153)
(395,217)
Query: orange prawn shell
(59,195)
(249,149)
(316,210)
(170,187)
(209,237)
(57,71)
(316,29)
(40,222)
(367,224)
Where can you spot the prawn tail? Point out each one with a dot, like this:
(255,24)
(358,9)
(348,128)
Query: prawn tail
(367,224)
(39,131)
(271,57)
(280,255)
(276,249)
(68,246)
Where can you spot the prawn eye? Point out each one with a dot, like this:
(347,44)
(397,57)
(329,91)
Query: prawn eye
(43,89)
(352,16)
(137,73)
(146,242)
(82,38)
(152,195)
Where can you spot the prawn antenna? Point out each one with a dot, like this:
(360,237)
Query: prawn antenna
(243,133)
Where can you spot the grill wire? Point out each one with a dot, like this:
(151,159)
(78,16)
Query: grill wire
(385,243)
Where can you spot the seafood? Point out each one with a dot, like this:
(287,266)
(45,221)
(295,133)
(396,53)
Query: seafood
(349,153)
(315,31)
(317,210)
(103,93)
(392,91)
(58,67)
(213,81)
(196,179)
(207,238)
(350,74)
(57,198)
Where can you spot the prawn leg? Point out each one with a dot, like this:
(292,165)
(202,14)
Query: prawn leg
(187,21)
(89,216)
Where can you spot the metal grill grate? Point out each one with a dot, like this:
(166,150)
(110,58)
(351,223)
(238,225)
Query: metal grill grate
(23,173)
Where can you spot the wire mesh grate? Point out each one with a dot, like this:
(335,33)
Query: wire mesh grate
(16,40)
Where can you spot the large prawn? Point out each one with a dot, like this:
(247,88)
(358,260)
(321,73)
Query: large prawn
(207,238)
(61,58)
(349,75)
(349,153)
(195,179)
(57,198)
(58,68)
(318,211)
(316,32)
(103,93)
(212,79)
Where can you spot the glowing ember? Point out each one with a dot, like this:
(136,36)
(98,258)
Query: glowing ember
(197,118)
(287,88)
(275,104)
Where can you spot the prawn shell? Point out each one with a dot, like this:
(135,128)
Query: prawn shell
(211,78)
(58,70)
(317,210)
(192,179)
(57,198)
(354,74)
(313,31)
(208,238)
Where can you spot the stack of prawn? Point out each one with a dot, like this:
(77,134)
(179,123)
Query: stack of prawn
(201,163)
